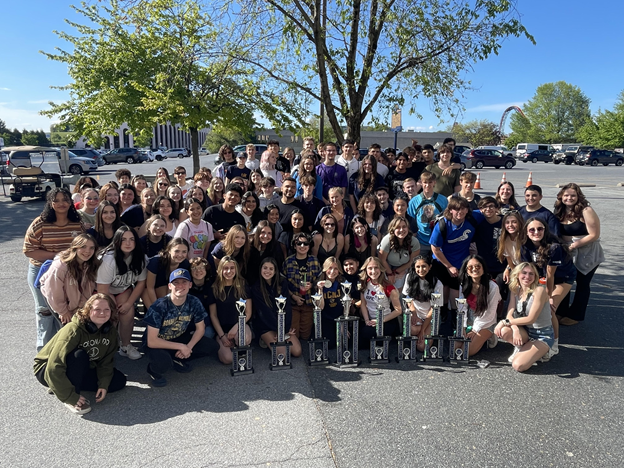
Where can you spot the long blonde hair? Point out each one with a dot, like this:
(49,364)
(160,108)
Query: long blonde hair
(218,287)
(514,283)
(230,248)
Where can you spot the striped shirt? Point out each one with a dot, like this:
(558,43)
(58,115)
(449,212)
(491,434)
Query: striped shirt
(49,237)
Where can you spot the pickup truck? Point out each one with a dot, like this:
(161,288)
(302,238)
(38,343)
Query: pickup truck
(569,155)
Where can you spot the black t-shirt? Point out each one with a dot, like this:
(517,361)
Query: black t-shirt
(153,248)
(102,241)
(133,216)
(226,309)
(235,171)
(162,276)
(265,316)
(282,164)
(286,210)
(486,238)
(416,169)
(394,181)
(221,220)
(355,281)
(310,209)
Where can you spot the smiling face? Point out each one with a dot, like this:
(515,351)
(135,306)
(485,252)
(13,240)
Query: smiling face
(164,208)
(401,163)
(249,206)
(127,197)
(512,225)
(505,192)
(458,216)
(239,240)
(445,156)
(373,271)
(109,214)
(421,267)
(100,312)
(297,221)
(85,252)
(400,207)
(148,197)
(175,193)
(128,243)
(266,235)
(535,231)
(256,178)
(569,198)
(179,288)
(409,187)
(289,189)
(308,164)
(198,271)
(229,271)
(140,185)
(401,230)
(367,166)
(232,198)
(161,173)
(218,185)
(474,269)
(350,266)
(332,272)
(179,253)
(335,198)
(273,216)
(267,271)
(112,195)
(526,277)
(91,199)
(359,229)
(383,197)
(532,198)
(302,246)
(157,228)
(194,212)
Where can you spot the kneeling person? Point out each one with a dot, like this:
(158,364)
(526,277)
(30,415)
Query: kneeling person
(169,339)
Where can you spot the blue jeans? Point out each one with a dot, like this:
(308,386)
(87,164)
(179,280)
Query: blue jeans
(47,324)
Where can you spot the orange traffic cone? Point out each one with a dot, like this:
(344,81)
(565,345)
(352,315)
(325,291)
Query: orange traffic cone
(478,182)
(504,179)
(529,180)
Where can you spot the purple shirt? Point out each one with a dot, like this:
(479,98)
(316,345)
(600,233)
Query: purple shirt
(332,176)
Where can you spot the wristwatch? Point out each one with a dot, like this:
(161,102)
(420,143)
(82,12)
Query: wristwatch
(507,323)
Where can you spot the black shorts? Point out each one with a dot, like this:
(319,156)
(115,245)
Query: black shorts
(442,273)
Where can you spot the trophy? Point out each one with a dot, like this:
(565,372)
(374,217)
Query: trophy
(434,342)
(379,344)
(319,345)
(242,362)
(459,345)
(407,342)
(279,360)
(347,356)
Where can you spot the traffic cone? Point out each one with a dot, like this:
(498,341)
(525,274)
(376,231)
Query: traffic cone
(529,180)
(504,179)
(478,182)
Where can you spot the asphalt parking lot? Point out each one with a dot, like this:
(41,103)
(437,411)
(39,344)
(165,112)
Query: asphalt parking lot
(568,412)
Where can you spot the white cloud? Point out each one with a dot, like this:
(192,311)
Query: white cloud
(39,101)
(5,89)
(500,107)
(23,118)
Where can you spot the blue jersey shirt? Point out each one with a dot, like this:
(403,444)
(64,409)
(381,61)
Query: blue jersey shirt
(456,246)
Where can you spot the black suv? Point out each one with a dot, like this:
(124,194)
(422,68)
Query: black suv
(569,155)
(127,155)
(595,156)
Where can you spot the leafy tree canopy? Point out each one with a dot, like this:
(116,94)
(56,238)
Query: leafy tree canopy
(477,132)
(606,128)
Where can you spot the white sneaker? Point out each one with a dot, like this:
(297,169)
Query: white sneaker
(546,357)
(555,349)
(130,352)
(83,409)
(492,341)
(513,355)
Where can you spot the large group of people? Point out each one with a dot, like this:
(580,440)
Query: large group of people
(297,225)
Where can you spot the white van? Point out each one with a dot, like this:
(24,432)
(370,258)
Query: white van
(522,148)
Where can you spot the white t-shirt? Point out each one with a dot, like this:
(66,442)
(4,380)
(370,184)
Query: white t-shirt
(277,176)
(374,295)
(252,164)
(197,236)
(173,229)
(186,187)
(108,274)
(351,166)
(422,308)
(382,170)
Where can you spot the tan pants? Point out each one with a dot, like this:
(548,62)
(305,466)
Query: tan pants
(302,321)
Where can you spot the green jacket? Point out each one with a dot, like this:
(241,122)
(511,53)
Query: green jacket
(101,348)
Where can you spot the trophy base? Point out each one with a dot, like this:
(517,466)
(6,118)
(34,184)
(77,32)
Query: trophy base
(434,349)
(318,352)
(242,361)
(347,356)
(407,348)
(283,364)
(459,355)
(380,350)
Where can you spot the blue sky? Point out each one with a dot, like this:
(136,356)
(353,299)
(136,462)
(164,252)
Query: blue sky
(577,42)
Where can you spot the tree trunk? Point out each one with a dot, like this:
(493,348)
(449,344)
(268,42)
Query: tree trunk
(354,124)
(195,149)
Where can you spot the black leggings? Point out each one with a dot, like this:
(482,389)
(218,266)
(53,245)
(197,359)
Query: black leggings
(391,328)
(83,377)
(577,309)
(161,360)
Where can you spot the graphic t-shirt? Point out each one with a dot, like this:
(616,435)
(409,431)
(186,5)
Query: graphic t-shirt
(456,246)
(376,295)
(198,236)
(331,297)
(171,320)
(108,274)
(424,211)
(235,171)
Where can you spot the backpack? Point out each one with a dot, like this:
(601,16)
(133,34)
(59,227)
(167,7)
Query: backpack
(45,266)
(442,223)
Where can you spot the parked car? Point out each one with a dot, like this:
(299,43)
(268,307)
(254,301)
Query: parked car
(127,155)
(522,148)
(480,158)
(177,153)
(148,153)
(89,153)
(239,149)
(503,149)
(568,156)
(20,156)
(537,155)
(461,149)
(595,156)
(158,154)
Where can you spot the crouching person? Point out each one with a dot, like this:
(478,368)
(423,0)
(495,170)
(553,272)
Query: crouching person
(170,340)
(80,356)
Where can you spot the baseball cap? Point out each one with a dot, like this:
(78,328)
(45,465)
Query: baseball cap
(180,273)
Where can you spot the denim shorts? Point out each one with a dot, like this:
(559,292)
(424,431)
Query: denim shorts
(546,335)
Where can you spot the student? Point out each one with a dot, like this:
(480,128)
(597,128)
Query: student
(122,276)
(289,156)
(302,270)
(410,188)
(123,176)
(420,283)
(400,207)
(180,176)
(110,192)
(347,159)
(447,178)
(351,268)
(70,279)
(398,175)
(511,242)
(215,192)
(226,154)
(415,164)
(255,178)
(338,208)
(370,209)
(265,243)
(249,209)
(252,162)
(139,183)
(482,297)
(197,232)
(528,324)
(204,271)
(239,170)
(374,150)
(81,356)
(534,209)
(130,212)
(383,195)
(223,217)
(359,242)
(168,335)
(297,226)
(229,287)
(162,173)
(236,245)
(332,174)
(268,163)
(161,185)
(165,207)
(486,240)
(273,216)
(282,164)
(90,201)
(49,233)
(397,251)
(505,196)
(365,181)
(270,286)
(159,267)
(199,194)
(329,287)
(175,195)
(106,223)
(310,205)
(155,239)
(148,196)
(328,242)
(268,196)
(377,292)
(287,203)
(467,181)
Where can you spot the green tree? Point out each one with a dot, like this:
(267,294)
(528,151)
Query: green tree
(29,138)
(606,128)
(153,62)
(361,58)
(554,115)
(477,132)
(220,136)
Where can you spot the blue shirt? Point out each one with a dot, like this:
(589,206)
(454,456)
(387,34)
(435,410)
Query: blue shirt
(424,211)
(171,320)
(545,215)
(456,246)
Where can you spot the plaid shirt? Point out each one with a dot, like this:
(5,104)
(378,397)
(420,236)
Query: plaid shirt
(291,270)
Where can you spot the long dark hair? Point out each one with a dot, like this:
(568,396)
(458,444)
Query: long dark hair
(275,283)
(351,233)
(421,293)
(48,215)
(545,243)
(164,255)
(156,207)
(512,199)
(137,261)
(363,199)
(367,182)
(466,284)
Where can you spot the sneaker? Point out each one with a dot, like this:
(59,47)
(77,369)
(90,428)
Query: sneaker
(130,352)
(492,341)
(568,322)
(513,355)
(262,344)
(546,357)
(82,409)
(182,367)
(555,348)
(157,379)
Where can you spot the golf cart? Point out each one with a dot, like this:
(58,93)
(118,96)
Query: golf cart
(35,175)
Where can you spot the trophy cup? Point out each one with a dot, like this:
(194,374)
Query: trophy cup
(319,345)
(459,345)
(347,356)
(280,361)
(379,344)
(407,342)
(242,362)
(434,342)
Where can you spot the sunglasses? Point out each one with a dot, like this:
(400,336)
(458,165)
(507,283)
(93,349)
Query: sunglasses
(180,173)
(163,183)
(303,244)
(534,230)
(330,225)
(473,267)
